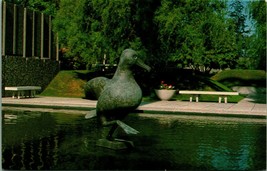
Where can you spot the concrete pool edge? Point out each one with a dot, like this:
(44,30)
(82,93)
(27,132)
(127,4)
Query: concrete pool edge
(84,111)
(202,114)
(245,108)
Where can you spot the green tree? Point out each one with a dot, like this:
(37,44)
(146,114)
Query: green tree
(239,18)
(257,50)
(92,29)
(241,31)
(70,25)
(196,34)
(46,6)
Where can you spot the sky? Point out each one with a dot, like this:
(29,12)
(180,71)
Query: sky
(249,22)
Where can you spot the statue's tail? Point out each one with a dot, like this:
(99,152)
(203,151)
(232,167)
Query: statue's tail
(94,87)
(127,129)
(90,114)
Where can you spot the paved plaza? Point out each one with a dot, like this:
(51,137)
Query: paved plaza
(247,106)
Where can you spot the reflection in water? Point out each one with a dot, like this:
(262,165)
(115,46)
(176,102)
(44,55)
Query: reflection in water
(33,140)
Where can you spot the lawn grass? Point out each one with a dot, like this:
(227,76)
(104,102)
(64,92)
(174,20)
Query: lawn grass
(209,98)
(202,98)
(232,78)
(210,85)
(66,84)
(70,84)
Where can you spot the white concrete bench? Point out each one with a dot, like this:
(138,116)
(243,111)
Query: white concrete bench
(219,93)
(22,89)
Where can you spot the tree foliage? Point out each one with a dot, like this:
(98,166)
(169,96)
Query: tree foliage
(257,50)
(200,34)
(238,18)
(241,32)
(92,29)
(46,6)
(195,33)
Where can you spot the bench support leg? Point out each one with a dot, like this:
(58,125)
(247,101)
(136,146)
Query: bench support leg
(197,98)
(23,94)
(32,93)
(19,93)
(225,99)
(192,97)
(28,93)
(220,99)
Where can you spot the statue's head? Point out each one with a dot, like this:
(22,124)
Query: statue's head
(130,57)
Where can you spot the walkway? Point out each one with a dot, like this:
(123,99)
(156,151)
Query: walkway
(246,107)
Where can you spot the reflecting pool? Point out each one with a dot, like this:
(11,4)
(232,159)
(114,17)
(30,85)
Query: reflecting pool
(57,141)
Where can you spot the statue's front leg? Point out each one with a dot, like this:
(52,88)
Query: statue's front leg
(106,123)
(115,123)
(111,132)
(109,141)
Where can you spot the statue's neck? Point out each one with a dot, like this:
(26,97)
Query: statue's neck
(123,73)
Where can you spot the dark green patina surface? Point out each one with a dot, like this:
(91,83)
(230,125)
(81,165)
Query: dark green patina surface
(117,96)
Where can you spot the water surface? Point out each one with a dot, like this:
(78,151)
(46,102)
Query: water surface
(40,140)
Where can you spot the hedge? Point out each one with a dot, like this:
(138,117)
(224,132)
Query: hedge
(19,71)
